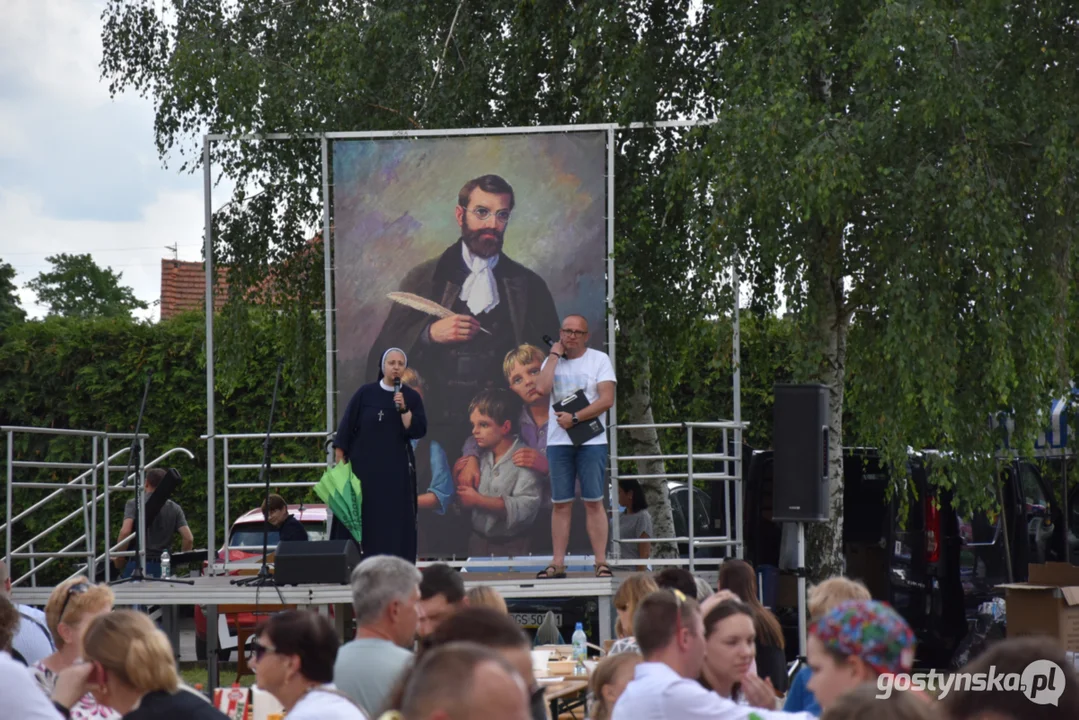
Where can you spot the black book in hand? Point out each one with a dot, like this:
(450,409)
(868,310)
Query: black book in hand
(585,430)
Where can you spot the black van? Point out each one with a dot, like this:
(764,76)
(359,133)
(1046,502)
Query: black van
(938,567)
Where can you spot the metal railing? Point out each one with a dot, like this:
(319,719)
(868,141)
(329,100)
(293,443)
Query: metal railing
(729,479)
(124,486)
(85,482)
(228,467)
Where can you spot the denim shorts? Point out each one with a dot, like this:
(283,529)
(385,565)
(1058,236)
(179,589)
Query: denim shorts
(567,463)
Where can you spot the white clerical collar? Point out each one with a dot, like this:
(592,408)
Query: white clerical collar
(382,382)
(479,291)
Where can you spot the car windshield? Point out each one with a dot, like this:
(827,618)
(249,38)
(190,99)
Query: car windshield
(250,536)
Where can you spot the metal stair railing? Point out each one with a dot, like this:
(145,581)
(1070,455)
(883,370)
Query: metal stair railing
(731,430)
(111,551)
(86,483)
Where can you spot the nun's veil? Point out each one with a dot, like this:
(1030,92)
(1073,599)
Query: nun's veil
(382,362)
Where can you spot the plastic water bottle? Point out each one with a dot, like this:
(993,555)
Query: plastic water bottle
(166,564)
(580,650)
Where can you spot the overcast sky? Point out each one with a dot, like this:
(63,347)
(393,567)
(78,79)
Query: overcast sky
(79,172)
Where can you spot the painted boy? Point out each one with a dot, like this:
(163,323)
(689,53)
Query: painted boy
(508,497)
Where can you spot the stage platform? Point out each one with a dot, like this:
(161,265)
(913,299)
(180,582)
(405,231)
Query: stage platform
(220,590)
(211,592)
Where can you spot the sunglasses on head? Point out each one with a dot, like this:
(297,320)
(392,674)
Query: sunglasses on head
(79,588)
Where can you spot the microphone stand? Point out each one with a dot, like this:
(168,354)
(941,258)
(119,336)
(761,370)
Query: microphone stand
(135,458)
(264,577)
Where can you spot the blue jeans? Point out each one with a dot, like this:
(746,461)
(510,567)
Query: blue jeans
(153,569)
(568,463)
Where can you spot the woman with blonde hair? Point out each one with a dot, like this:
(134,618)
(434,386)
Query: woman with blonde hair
(629,594)
(608,680)
(134,672)
(484,596)
(821,599)
(71,608)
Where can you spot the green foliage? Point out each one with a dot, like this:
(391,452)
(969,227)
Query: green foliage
(257,67)
(10,310)
(901,170)
(897,172)
(88,374)
(77,287)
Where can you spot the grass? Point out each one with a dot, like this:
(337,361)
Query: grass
(195,674)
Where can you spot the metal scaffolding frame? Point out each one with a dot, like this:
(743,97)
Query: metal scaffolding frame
(325,139)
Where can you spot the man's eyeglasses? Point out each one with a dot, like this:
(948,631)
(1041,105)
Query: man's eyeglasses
(482,214)
(76,589)
(574,333)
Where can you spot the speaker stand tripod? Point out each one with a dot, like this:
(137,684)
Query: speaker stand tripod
(802,640)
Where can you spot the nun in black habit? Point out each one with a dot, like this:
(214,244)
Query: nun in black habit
(374,434)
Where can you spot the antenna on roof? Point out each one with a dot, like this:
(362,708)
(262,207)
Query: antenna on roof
(175,251)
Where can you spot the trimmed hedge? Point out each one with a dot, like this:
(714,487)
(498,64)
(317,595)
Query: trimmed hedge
(89,375)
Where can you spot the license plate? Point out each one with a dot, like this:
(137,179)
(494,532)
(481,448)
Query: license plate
(534,620)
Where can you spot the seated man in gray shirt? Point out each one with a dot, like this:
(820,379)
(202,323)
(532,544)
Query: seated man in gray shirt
(385,598)
(169,521)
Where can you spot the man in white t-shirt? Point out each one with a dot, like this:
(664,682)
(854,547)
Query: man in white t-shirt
(572,366)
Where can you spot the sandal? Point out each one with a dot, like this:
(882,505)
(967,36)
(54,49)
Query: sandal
(552,571)
(603,570)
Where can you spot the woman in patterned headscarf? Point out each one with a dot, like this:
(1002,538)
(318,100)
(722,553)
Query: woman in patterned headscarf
(853,643)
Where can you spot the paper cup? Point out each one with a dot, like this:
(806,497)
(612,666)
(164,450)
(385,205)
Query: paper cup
(540,658)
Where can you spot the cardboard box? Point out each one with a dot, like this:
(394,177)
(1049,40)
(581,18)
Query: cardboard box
(1047,604)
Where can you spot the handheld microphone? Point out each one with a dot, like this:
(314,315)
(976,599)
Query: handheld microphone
(397,389)
(550,343)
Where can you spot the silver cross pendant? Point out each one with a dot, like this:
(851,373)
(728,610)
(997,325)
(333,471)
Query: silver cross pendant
(380,416)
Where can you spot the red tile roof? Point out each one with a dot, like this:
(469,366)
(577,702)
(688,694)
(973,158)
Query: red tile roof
(183,287)
(183,284)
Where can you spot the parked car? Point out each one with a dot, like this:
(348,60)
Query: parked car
(244,549)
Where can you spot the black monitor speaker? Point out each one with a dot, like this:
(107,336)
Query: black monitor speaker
(306,562)
(800,439)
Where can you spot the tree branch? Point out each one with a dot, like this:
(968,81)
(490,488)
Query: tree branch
(442,60)
(412,120)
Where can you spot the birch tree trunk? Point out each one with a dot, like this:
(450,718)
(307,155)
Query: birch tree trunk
(824,541)
(646,442)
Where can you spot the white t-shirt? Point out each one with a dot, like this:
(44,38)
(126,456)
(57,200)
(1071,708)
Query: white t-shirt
(33,640)
(20,696)
(657,692)
(583,373)
(325,704)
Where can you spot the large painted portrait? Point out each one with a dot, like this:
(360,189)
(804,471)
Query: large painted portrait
(465,252)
